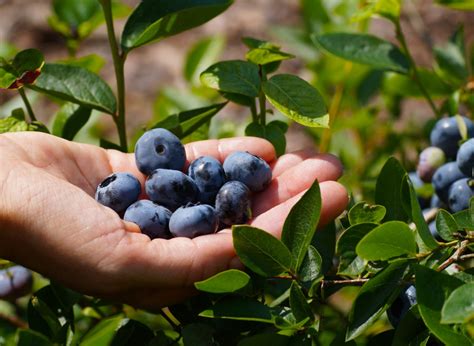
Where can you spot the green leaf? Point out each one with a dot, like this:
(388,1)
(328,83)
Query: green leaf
(300,224)
(464,219)
(459,307)
(103,333)
(14,123)
(349,262)
(299,306)
(260,251)
(388,190)
(204,53)
(239,309)
(451,62)
(75,12)
(198,334)
(425,239)
(271,132)
(7,76)
(401,85)
(375,296)
(364,49)
(265,339)
(228,281)
(70,119)
(389,9)
(389,240)
(253,43)
(77,85)
(446,225)
(363,212)
(23,69)
(154,20)
(27,60)
(297,99)
(131,332)
(91,62)
(30,337)
(324,241)
(263,56)
(409,327)
(103,143)
(464,5)
(311,268)
(233,76)
(432,290)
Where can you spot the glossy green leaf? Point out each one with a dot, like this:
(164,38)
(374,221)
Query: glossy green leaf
(239,309)
(77,85)
(233,76)
(451,62)
(389,240)
(228,281)
(132,332)
(198,334)
(271,132)
(311,268)
(464,219)
(388,190)
(324,241)
(265,339)
(424,238)
(103,333)
(432,290)
(154,20)
(7,76)
(349,262)
(27,60)
(375,296)
(459,307)
(300,224)
(253,43)
(75,12)
(23,69)
(297,99)
(263,56)
(30,337)
(389,9)
(363,212)
(446,225)
(70,119)
(14,123)
(364,49)
(260,251)
(298,303)
(204,53)
(409,327)
(464,5)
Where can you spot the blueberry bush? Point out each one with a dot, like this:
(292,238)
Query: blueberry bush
(395,269)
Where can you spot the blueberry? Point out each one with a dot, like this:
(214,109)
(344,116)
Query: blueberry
(193,220)
(401,305)
(418,183)
(446,136)
(248,169)
(209,176)
(437,203)
(159,148)
(429,161)
(170,188)
(460,193)
(118,191)
(465,158)
(444,177)
(153,219)
(15,282)
(233,203)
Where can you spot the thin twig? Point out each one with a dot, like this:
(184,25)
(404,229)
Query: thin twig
(351,282)
(455,257)
(170,321)
(466,257)
(27,104)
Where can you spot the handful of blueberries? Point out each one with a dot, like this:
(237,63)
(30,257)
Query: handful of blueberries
(211,196)
(448,164)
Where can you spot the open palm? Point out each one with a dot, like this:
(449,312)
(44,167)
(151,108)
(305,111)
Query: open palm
(50,222)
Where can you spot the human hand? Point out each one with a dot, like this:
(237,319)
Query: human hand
(50,222)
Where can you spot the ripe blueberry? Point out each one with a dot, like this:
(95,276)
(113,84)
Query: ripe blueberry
(446,136)
(15,282)
(465,158)
(193,220)
(233,203)
(460,193)
(444,177)
(170,188)
(429,161)
(118,191)
(153,219)
(209,176)
(248,169)
(159,148)
(401,305)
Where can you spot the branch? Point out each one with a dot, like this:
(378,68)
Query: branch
(455,257)
(351,282)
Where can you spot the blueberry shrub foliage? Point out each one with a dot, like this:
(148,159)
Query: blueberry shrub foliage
(396,268)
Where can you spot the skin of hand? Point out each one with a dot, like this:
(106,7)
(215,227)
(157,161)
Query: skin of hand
(50,222)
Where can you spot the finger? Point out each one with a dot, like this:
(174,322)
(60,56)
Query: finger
(290,160)
(296,179)
(334,201)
